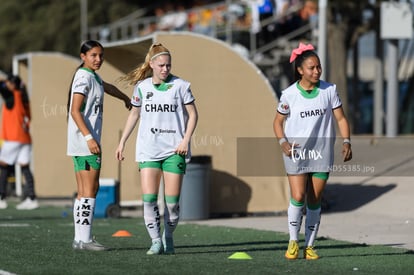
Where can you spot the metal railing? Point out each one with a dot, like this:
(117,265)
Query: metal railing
(223,24)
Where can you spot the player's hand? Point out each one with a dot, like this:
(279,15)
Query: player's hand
(288,148)
(119,152)
(346,152)
(94,147)
(182,149)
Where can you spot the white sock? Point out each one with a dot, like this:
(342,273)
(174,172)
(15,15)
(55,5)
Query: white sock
(86,208)
(171,217)
(152,219)
(294,221)
(313,219)
(76,215)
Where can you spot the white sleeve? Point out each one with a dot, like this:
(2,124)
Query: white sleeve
(336,101)
(187,94)
(136,99)
(80,84)
(283,106)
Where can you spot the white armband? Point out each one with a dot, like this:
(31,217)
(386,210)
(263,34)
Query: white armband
(88,137)
(282,140)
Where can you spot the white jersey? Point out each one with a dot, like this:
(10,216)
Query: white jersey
(310,126)
(163,117)
(89,84)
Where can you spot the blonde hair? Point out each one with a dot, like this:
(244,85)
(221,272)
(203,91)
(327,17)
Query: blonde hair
(144,70)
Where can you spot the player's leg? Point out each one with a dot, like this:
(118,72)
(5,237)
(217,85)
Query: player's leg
(88,179)
(4,174)
(174,169)
(29,196)
(150,184)
(76,207)
(297,184)
(315,189)
(8,155)
(87,175)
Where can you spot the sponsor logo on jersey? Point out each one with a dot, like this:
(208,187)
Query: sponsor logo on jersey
(98,108)
(167,108)
(310,113)
(149,95)
(162,131)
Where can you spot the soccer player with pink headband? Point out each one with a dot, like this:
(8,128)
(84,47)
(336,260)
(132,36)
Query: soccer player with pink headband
(304,125)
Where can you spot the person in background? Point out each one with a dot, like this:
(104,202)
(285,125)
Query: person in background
(261,10)
(281,7)
(168,117)
(299,19)
(172,17)
(17,141)
(304,125)
(85,103)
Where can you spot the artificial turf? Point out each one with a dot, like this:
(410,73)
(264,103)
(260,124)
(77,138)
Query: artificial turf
(39,242)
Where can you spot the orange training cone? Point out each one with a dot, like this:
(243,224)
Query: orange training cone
(121,233)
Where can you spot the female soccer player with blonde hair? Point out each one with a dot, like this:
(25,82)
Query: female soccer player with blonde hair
(165,106)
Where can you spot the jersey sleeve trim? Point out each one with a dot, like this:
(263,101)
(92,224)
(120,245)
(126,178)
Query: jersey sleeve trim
(192,101)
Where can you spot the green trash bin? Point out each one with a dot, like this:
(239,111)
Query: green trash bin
(195,191)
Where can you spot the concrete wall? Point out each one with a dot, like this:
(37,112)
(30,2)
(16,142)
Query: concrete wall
(235,103)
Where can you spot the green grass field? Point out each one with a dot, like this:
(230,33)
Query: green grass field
(39,242)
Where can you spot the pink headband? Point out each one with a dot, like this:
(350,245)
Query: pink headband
(299,50)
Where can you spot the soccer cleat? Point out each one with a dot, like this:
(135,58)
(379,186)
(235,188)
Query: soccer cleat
(28,204)
(292,252)
(310,253)
(92,246)
(156,248)
(3,204)
(168,244)
(75,245)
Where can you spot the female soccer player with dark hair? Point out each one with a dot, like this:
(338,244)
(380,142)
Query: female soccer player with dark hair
(304,126)
(85,104)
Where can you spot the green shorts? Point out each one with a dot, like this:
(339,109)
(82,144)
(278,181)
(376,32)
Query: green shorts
(86,162)
(173,164)
(321,175)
